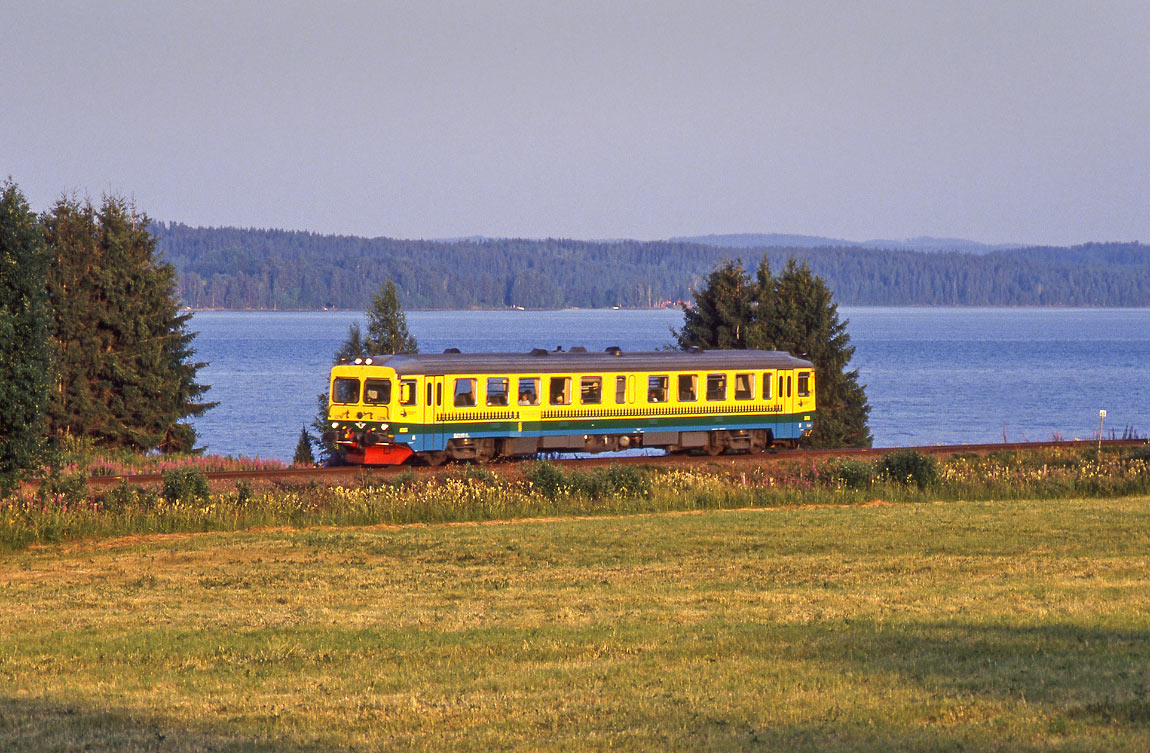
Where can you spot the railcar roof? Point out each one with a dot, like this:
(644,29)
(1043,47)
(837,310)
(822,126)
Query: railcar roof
(575,361)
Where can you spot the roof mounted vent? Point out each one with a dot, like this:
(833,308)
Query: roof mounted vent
(695,349)
(614,350)
(538,352)
(451,350)
(578,349)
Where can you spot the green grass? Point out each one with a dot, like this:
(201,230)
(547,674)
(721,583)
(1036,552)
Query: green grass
(975,626)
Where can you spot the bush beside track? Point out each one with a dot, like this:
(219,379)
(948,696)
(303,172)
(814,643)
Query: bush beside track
(66,508)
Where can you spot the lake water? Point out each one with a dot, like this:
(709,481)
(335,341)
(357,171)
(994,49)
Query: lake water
(932,375)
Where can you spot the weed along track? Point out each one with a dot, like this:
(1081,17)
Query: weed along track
(511,470)
(186,500)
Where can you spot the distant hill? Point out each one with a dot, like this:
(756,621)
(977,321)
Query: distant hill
(775,240)
(277,269)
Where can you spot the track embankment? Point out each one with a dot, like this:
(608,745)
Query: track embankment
(358,475)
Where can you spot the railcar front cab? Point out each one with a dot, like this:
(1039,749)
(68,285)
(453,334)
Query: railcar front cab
(380,418)
(365,401)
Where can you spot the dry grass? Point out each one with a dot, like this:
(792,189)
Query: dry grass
(973,626)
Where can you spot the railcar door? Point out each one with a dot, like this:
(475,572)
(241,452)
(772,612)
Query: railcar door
(786,387)
(433,413)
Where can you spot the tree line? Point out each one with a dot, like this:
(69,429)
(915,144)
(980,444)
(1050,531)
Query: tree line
(276,269)
(93,343)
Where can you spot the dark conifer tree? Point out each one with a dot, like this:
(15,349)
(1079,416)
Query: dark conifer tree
(721,311)
(387,324)
(25,358)
(793,312)
(125,376)
(303,454)
(353,347)
(796,312)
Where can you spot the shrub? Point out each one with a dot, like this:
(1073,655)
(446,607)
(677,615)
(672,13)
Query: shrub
(546,478)
(628,479)
(1140,453)
(67,489)
(128,496)
(244,492)
(185,485)
(477,473)
(854,474)
(909,467)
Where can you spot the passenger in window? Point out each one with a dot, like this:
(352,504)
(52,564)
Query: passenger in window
(657,389)
(591,391)
(528,392)
(560,390)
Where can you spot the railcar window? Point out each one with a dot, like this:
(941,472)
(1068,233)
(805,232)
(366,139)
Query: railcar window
(716,387)
(788,385)
(560,390)
(620,390)
(497,388)
(346,390)
(408,394)
(804,386)
(377,391)
(464,393)
(529,390)
(657,388)
(688,388)
(782,392)
(768,382)
(744,386)
(591,390)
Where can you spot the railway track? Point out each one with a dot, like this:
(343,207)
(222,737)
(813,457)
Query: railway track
(511,470)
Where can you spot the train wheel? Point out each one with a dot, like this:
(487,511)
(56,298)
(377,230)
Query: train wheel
(434,459)
(484,450)
(716,443)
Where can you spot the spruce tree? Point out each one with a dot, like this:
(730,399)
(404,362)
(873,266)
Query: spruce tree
(796,312)
(387,325)
(793,312)
(721,311)
(125,376)
(353,347)
(303,454)
(25,359)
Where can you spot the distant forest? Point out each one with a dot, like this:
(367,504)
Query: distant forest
(274,269)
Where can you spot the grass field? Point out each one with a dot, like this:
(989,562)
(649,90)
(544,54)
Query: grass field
(974,626)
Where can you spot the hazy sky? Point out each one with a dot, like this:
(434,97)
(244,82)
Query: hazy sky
(997,121)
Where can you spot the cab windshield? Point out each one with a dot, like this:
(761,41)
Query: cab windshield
(346,390)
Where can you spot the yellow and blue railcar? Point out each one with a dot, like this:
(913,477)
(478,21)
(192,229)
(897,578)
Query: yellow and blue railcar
(389,409)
